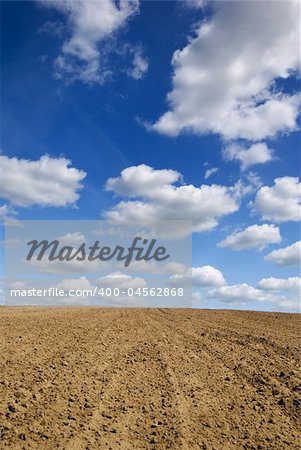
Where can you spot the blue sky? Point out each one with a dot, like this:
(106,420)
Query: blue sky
(175,86)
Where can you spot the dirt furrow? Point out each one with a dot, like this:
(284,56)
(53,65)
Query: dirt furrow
(153,379)
(244,376)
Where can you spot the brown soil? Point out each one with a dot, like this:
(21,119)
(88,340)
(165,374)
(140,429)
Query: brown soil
(88,378)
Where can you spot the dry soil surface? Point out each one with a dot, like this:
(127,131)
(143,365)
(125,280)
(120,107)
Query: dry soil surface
(88,378)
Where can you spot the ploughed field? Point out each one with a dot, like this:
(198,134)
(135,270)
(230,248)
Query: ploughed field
(97,378)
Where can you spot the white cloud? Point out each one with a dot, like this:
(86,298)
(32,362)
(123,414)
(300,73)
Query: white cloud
(45,182)
(81,295)
(10,243)
(280,202)
(141,180)
(157,198)
(279,284)
(287,256)
(195,4)
(238,293)
(285,290)
(154,268)
(6,213)
(90,24)
(173,267)
(75,284)
(205,276)
(72,239)
(254,180)
(256,154)
(254,236)
(121,281)
(224,78)
(210,172)
(140,66)
(280,294)
(83,292)
(67,267)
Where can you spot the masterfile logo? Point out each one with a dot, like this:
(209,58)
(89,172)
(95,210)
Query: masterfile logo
(48,262)
(146,251)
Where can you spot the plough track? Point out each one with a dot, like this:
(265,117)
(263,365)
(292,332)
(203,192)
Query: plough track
(135,379)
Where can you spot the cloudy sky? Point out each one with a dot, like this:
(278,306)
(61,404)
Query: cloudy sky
(134,111)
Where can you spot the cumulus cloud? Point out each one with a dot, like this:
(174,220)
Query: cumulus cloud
(280,202)
(210,172)
(83,296)
(205,276)
(76,284)
(154,196)
(279,298)
(89,25)
(280,284)
(254,236)
(287,256)
(224,80)
(82,291)
(121,281)
(141,180)
(45,182)
(285,291)
(256,154)
(238,293)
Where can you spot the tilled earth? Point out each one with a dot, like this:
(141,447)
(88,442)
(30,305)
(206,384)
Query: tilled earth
(96,378)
